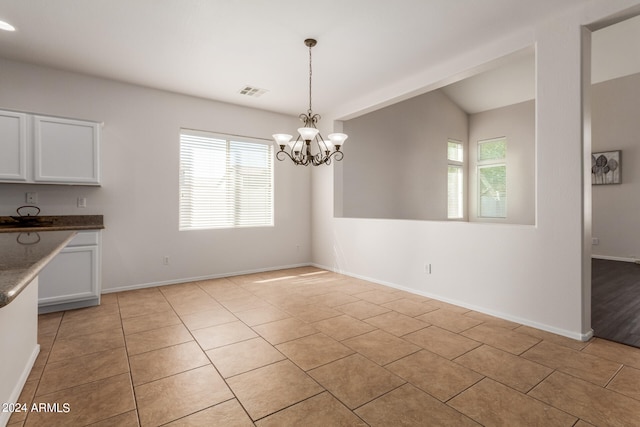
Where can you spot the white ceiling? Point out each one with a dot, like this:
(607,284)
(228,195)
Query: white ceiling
(212,48)
(510,81)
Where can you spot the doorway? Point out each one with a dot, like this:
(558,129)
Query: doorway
(615,200)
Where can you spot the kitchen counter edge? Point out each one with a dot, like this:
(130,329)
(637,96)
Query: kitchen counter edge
(53,223)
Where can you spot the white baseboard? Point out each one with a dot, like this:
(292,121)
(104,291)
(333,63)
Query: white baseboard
(197,278)
(565,333)
(569,334)
(615,258)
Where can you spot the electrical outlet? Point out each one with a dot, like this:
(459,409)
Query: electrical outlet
(31,198)
(595,241)
(165,260)
(427,268)
(82,202)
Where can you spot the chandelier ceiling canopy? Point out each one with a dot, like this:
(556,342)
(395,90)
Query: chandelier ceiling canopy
(300,150)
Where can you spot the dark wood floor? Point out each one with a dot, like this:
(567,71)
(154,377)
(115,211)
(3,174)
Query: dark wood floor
(615,301)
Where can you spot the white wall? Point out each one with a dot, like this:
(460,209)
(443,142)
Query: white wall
(516,123)
(615,126)
(398,168)
(531,274)
(139,193)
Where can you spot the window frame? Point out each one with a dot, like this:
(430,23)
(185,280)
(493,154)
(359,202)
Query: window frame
(228,214)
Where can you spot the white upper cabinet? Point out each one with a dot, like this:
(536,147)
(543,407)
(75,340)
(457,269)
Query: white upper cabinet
(13,146)
(48,150)
(66,151)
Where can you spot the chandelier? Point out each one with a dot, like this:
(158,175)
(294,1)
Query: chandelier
(299,150)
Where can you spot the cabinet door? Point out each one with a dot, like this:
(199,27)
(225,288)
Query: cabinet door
(13,146)
(71,276)
(66,151)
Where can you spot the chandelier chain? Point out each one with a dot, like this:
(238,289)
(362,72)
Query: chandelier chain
(310,74)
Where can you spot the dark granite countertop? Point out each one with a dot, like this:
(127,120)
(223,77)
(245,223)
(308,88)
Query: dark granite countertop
(23,255)
(51,223)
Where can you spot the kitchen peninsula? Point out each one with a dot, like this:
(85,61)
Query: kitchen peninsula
(25,250)
(21,261)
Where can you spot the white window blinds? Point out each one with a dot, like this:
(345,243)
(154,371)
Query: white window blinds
(454,151)
(455,192)
(455,180)
(225,181)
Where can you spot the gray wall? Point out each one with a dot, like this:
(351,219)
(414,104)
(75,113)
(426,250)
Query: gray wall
(397,162)
(139,193)
(616,208)
(399,170)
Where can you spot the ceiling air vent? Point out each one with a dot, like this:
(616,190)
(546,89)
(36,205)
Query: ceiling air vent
(252,91)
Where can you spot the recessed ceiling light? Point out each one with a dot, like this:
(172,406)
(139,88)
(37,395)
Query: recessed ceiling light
(6,26)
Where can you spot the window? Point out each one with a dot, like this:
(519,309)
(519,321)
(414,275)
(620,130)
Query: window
(455,176)
(492,178)
(225,181)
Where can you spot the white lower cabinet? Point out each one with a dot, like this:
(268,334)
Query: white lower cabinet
(72,279)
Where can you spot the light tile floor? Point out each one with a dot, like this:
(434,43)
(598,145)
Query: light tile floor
(307,347)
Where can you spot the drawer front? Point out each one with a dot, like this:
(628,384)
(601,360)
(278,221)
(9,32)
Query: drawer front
(85,238)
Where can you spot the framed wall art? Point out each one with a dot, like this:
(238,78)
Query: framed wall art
(606,167)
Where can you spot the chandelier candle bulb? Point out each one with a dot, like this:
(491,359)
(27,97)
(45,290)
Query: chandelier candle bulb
(299,150)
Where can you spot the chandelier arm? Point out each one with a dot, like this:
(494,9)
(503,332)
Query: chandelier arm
(298,142)
(323,157)
(296,157)
(316,160)
(319,140)
(286,154)
(338,155)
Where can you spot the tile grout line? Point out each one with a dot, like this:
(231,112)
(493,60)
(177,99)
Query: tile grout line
(299,367)
(235,397)
(615,374)
(126,351)
(548,404)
